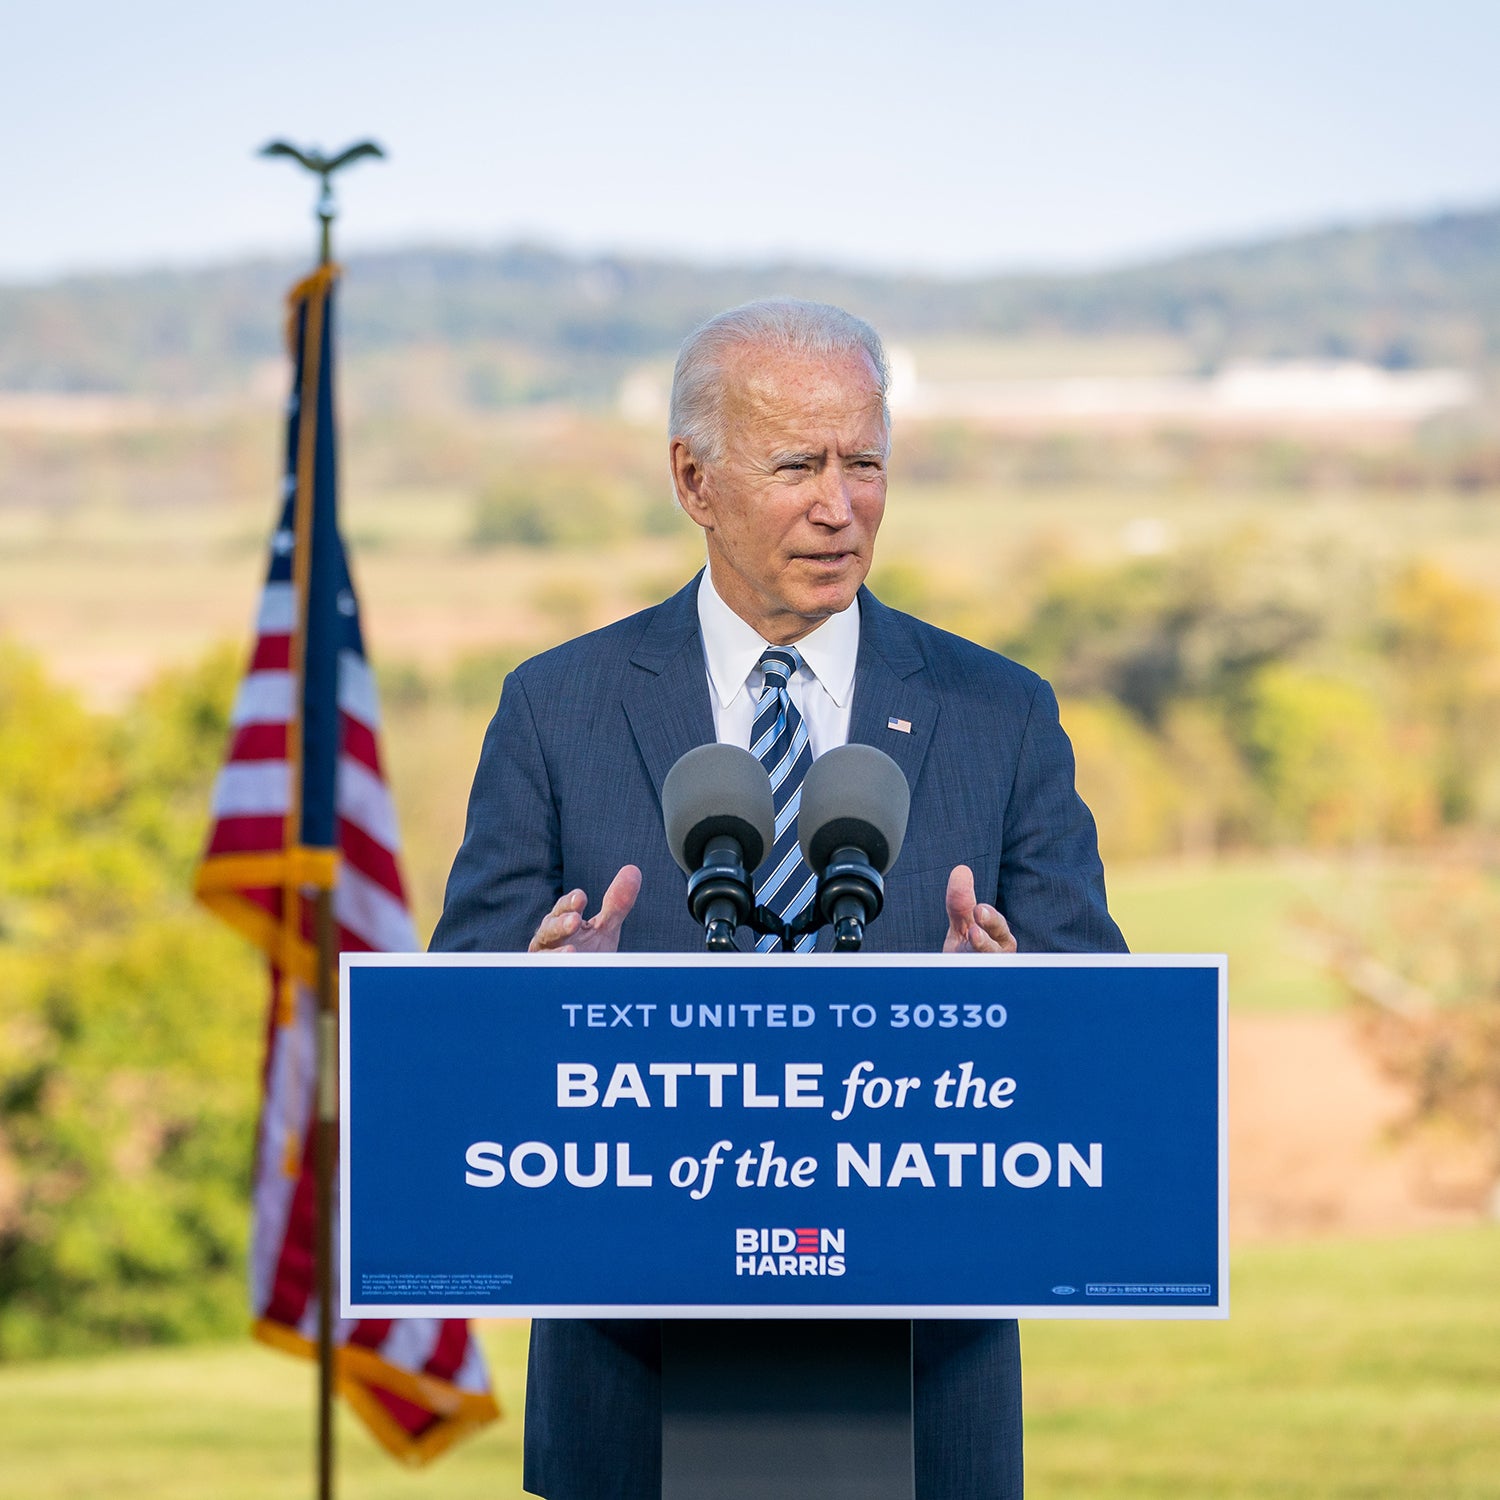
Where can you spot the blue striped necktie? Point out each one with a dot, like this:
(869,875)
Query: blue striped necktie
(778,739)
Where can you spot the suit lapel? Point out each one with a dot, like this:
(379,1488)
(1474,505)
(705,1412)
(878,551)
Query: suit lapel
(666,698)
(889,685)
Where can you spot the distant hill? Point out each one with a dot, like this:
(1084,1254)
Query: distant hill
(1400,293)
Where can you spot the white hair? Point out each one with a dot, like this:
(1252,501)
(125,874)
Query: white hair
(788,325)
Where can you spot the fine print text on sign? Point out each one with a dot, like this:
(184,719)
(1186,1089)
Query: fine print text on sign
(794,1136)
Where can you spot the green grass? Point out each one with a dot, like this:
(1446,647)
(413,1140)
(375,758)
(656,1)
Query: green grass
(1263,911)
(1348,1369)
(225,1423)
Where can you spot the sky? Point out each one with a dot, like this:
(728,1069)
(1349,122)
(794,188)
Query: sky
(937,135)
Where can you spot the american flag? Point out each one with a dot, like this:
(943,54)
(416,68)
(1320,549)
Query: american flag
(301,805)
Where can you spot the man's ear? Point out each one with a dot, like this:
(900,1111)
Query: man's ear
(689,480)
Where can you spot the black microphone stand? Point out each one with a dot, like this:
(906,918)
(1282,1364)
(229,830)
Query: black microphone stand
(719,894)
(850,896)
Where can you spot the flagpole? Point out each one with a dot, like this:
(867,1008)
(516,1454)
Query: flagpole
(328,1112)
(327,1062)
(326,936)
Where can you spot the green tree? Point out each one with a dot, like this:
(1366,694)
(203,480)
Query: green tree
(552,508)
(1328,763)
(128,1023)
(1429,1012)
(1442,637)
(1122,775)
(1156,630)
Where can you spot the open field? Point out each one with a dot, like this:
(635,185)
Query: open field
(233,1422)
(1350,1368)
(1267,912)
(108,594)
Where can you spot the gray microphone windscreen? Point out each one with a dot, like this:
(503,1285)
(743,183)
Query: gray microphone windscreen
(718,791)
(856,796)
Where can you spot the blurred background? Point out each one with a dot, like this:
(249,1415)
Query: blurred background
(1195,319)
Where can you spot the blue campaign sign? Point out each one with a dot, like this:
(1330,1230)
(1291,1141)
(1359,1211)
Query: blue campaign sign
(818,1135)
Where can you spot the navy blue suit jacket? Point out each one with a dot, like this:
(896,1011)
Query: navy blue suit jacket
(568,790)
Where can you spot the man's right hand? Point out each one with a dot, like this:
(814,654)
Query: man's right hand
(564,930)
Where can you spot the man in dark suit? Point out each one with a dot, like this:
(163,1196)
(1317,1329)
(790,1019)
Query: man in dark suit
(779,442)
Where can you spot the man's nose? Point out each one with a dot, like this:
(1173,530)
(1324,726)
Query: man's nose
(831,505)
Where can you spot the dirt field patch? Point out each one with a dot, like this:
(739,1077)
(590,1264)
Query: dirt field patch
(1310,1143)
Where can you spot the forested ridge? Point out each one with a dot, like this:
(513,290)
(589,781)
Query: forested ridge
(1403,292)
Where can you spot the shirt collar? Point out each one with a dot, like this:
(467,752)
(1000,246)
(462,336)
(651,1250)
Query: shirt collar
(733,649)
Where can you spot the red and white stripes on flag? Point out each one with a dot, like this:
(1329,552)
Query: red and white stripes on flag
(419,1383)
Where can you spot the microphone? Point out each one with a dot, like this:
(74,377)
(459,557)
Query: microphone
(720,818)
(855,802)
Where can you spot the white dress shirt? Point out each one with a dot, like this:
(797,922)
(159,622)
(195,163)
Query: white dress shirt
(822,688)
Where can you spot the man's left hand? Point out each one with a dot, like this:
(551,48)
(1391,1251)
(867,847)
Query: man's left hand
(564,930)
(974,926)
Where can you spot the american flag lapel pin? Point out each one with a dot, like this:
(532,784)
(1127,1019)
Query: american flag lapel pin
(901,726)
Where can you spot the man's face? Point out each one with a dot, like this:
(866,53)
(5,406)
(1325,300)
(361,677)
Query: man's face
(791,508)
